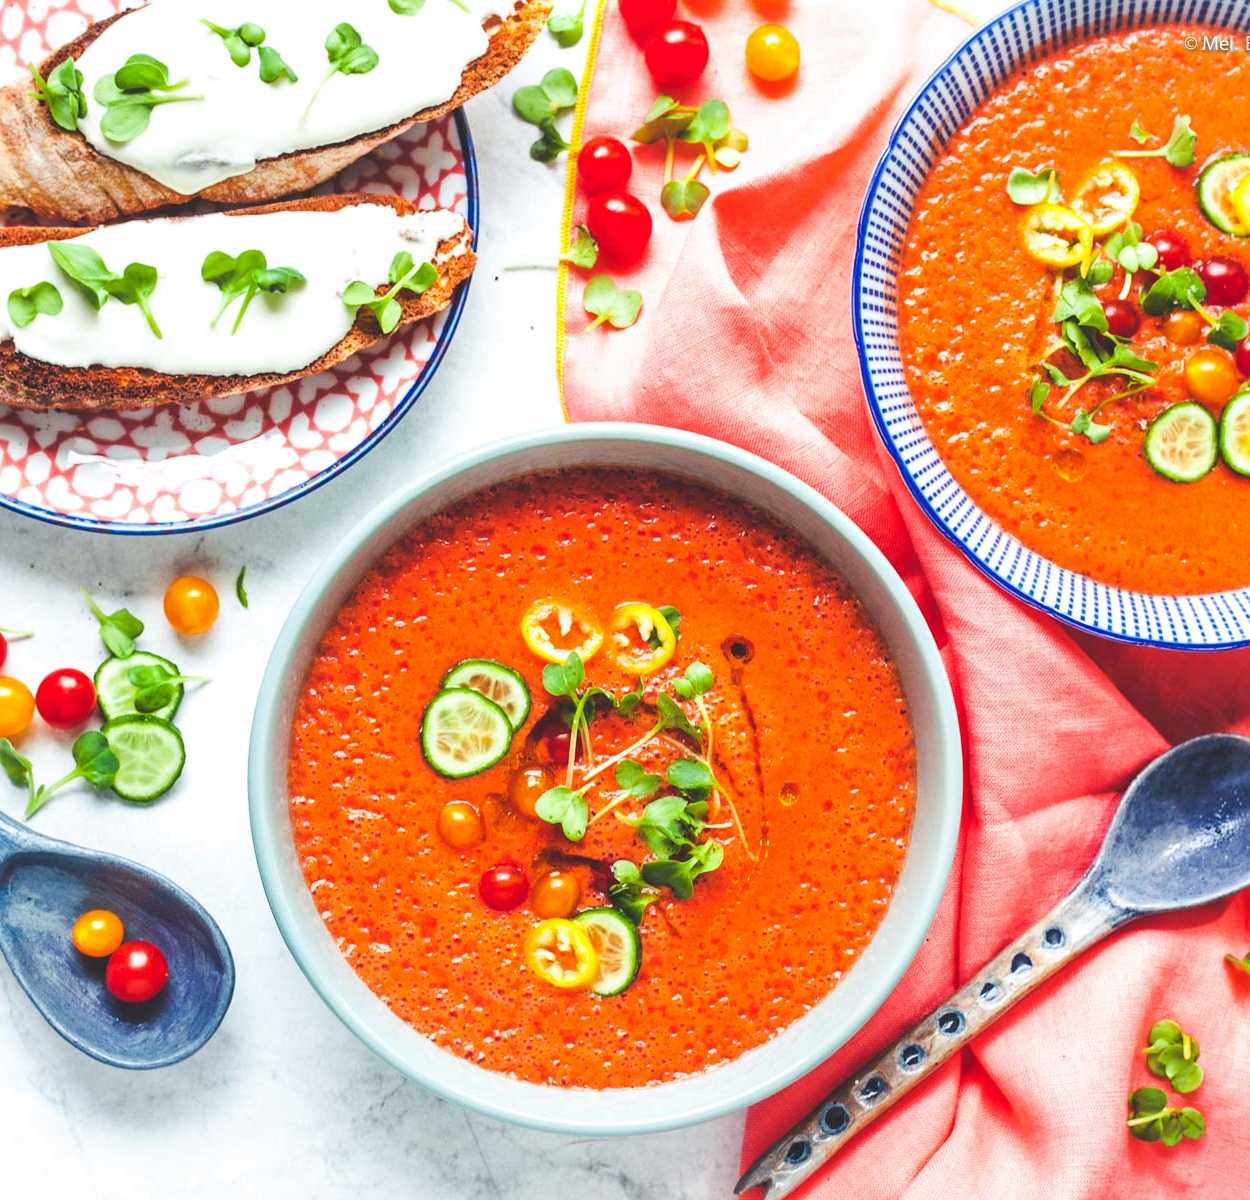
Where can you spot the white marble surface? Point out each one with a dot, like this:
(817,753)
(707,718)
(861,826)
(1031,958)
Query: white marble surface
(285,1102)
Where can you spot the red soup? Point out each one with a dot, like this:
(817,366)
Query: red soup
(601,779)
(1073,296)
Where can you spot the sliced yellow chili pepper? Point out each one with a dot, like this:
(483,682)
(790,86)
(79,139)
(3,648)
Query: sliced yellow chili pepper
(642,640)
(553,629)
(1057,236)
(560,953)
(1239,197)
(1107,197)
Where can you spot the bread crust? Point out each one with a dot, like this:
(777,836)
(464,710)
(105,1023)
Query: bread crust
(31,384)
(60,175)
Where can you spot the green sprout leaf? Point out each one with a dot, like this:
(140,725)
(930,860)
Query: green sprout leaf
(1180,148)
(245,276)
(239,42)
(1172,1054)
(1152,1119)
(665,119)
(1240,964)
(240,590)
(155,687)
(563,679)
(636,782)
(565,807)
(672,716)
(118,630)
(540,103)
(25,304)
(405,275)
(567,28)
(130,94)
(88,271)
(1028,188)
(94,762)
(697,681)
(629,894)
(1229,330)
(1139,134)
(679,875)
(584,252)
(604,301)
(1182,288)
(348,55)
(18,768)
(273,67)
(62,93)
(1085,426)
(683,198)
(1039,390)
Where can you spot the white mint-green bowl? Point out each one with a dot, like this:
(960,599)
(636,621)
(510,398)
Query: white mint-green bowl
(817,1034)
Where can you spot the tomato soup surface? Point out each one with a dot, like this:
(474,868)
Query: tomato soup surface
(975,314)
(811,736)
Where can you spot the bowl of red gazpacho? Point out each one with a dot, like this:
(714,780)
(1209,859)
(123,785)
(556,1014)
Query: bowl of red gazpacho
(605,781)
(1052,293)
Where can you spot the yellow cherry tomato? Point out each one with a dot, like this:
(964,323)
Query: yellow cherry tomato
(553,629)
(191,605)
(460,825)
(1183,327)
(560,953)
(772,53)
(1056,236)
(98,933)
(556,894)
(642,641)
(526,786)
(17,707)
(1211,375)
(1107,197)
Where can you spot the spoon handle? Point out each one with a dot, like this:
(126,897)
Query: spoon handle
(13,837)
(1077,922)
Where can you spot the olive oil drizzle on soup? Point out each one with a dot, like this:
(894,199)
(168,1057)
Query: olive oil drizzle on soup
(812,736)
(975,314)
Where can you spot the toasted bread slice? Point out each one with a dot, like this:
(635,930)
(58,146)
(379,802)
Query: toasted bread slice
(29,383)
(60,175)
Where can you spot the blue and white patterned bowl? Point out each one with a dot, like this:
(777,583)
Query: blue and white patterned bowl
(1022,35)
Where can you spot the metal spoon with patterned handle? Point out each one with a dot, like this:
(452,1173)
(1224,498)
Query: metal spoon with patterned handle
(1180,837)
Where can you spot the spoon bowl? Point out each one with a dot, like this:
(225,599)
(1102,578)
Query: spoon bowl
(1181,836)
(45,885)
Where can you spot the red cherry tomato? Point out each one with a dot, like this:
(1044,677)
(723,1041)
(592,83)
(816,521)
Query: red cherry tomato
(4,650)
(65,698)
(621,225)
(1243,357)
(1122,318)
(1226,280)
(136,972)
(1173,249)
(644,17)
(604,165)
(504,886)
(677,54)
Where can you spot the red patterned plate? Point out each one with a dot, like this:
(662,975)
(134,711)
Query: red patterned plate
(191,467)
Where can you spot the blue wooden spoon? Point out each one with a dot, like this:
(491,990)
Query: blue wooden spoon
(45,885)
(1180,838)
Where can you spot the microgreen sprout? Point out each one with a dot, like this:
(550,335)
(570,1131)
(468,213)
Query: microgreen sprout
(118,630)
(16,635)
(348,55)
(240,589)
(1172,1054)
(708,126)
(567,27)
(97,283)
(62,93)
(94,762)
(405,275)
(1178,150)
(540,104)
(25,304)
(245,276)
(239,42)
(583,252)
(1126,248)
(629,893)
(1240,964)
(1028,188)
(155,686)
(605,302)
(131,93)
(1152,1119)
(410,8)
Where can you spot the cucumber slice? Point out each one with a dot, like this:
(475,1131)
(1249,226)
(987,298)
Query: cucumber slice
(616,942)
(116,694)
(1215,189)
(1182,443)
(1235,433)
(496,682)
(463,733)
(151,755)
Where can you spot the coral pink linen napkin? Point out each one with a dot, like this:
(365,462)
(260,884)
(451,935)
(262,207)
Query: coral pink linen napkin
(746,335)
